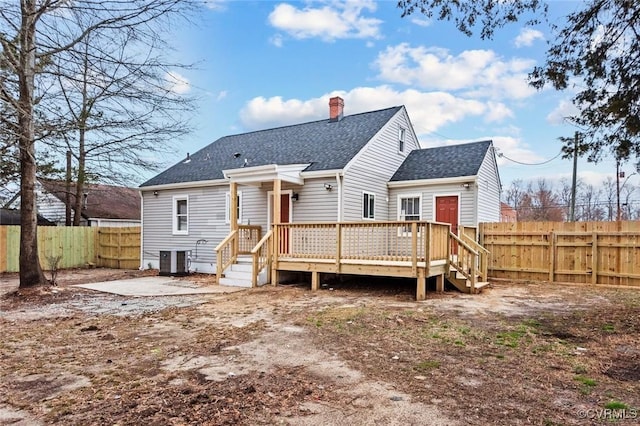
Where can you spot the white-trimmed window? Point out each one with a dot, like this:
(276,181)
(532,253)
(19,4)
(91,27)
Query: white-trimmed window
(402,134)
(409,207)
(368,205)
(227,210)
(180,215)
(409,210)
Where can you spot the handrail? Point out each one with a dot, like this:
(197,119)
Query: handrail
(483,258)
(226,253)
(262,254)
(467,259)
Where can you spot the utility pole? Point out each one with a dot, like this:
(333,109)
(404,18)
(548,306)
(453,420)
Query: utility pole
(572,211)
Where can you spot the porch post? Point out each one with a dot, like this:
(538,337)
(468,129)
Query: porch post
(277,208)
(233,215)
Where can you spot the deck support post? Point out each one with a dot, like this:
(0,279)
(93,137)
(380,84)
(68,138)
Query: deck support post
(440,283)
(421,290)
(315,280)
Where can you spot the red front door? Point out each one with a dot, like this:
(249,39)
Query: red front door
(447,212)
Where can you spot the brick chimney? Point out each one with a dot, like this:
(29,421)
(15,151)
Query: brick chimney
(336,107)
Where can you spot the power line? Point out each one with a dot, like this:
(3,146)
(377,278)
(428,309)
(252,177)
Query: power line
(501,155)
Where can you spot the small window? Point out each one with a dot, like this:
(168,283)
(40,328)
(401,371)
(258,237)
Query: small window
(402,132)
(409,208)
(181,215)
(368,205)
(227,211)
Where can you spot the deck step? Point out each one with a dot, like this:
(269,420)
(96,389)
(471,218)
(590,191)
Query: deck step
(479,285)
(234,282)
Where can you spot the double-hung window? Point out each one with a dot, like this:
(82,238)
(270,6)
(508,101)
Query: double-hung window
(402,134)
(181,215)
(227,210)
(368,205)
(409,209)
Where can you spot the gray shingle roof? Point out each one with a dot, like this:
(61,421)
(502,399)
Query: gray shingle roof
(325,145)
(443,162)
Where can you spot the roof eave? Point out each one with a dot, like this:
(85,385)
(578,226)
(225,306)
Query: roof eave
(437,181)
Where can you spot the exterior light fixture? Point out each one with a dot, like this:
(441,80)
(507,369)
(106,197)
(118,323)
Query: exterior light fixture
(328,186)
(294,197)
(155,193)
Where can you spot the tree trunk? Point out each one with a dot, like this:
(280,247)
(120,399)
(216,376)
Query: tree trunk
(30,270)
(79,201)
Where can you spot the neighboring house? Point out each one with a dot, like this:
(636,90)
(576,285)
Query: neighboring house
(508,213)
(12,217)
(102,205)
(360,167)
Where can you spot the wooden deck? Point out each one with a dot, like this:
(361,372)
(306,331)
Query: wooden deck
(417,250)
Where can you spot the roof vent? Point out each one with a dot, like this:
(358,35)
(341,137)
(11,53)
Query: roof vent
(336,108)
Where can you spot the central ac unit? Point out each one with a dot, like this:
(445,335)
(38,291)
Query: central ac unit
(174,262)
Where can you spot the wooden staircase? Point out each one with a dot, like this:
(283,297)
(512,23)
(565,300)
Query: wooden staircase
(468,264)
(463,284)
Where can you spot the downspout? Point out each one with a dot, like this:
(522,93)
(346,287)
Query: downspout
(142,232)
(339,182)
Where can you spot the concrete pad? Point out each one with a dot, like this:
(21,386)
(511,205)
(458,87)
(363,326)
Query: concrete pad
(156,286)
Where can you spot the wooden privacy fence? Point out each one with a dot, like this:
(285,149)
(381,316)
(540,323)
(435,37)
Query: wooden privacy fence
(76,247)
(600,253)
(118,247)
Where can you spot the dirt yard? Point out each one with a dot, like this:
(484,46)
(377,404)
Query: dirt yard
(357,353)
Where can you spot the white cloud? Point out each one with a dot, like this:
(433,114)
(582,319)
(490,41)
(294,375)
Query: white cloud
(215,4)
(497,112)
(177,83)
(333,20)
(564,109)
(421,22)
(477,73)
(527,37)
(429,111)
(223,94)
(276,40)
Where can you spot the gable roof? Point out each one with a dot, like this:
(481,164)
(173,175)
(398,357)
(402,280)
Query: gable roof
(12,217)
(323,144)
(103,201)
(443,162)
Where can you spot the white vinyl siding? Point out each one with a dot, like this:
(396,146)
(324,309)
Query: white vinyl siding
(372,168)
(467,204)
(368,205)
(180,214)
(488,190)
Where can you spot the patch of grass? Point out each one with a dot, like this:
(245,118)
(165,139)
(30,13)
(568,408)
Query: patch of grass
(587,384)
(427,365)
(609,328)
(616,405)
(579,369)
(459,343)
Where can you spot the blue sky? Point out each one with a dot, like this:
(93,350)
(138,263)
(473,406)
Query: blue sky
(262,64)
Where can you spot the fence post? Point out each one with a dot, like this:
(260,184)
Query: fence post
(594,259)
(552,255)
(414,248)
(338,246)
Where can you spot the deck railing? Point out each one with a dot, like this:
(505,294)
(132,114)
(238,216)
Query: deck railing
(226,253)
(483,255)
(248,237)
(262,256)
(465,261)
(363,241)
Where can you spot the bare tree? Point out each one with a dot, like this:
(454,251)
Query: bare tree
(122,106)
(514,195)
(32,34)
(540,203)
(609,190)
(590,207)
